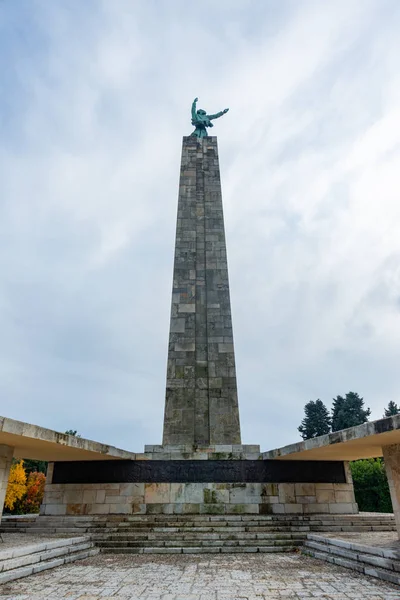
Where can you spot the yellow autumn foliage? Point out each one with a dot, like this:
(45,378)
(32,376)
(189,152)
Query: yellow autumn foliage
(16,484)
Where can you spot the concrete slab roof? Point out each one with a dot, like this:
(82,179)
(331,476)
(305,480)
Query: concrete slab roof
(31,441)
(363,441)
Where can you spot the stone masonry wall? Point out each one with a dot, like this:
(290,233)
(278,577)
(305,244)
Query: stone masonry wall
(198,498)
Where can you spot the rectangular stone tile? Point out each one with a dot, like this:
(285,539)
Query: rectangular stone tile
(341,508)
(304,489)
(287,493)
(157,493)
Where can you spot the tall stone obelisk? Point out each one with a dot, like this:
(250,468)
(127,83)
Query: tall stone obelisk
(201,405)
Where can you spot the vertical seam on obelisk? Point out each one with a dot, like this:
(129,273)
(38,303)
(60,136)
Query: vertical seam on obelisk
(196,292)
(201,302)
(196,287)
(206,307)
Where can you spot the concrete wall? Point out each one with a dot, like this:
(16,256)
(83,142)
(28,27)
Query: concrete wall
(391,456)
(6,456)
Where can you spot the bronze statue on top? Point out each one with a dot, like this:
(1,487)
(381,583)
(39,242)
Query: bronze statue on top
(201,120)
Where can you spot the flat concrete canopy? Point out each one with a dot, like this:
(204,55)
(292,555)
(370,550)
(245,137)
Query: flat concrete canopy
(31,441)
(363,441)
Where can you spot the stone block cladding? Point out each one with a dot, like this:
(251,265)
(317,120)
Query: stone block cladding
(201,406)
(199,498)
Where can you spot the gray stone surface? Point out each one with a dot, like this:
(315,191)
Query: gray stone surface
(203,577)
(186,498)
(201,404)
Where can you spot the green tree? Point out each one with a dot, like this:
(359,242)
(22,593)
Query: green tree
(32,466)
(370,485)
(348,411)
(72,432)
(392,409)
(316,420)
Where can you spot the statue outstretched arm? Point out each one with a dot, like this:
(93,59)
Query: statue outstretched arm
(194,108)
(218,114)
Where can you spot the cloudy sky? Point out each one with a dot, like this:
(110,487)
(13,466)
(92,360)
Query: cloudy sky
(94,100)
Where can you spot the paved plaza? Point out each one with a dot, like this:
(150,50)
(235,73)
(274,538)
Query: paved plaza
(197,577)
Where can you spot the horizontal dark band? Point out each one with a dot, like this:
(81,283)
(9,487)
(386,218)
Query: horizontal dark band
(199,471)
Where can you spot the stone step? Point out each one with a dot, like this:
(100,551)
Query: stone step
(226,530)
(212,518)
(49,530)
(35,556)
(356,528)
(203,519)
(149,524)
(158,527)
(195,517)
(199,536)
(205,516)
(199,550)
(20,561)
(176,532)
(199,543)
(227,523)
(144,523)
(377,562)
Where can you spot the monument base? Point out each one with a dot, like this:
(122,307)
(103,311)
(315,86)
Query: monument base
(220,479)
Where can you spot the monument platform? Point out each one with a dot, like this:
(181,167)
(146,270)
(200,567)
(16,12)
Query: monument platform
(222,479)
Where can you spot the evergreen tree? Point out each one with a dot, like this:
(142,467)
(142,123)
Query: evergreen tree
(31,466)
(316,421)
(392,409)
(348,411)
(72,432)
(337,411)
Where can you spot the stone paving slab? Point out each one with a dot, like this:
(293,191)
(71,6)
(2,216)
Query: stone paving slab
(245,577)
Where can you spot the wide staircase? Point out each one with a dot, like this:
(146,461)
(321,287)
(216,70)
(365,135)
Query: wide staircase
(184,534)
